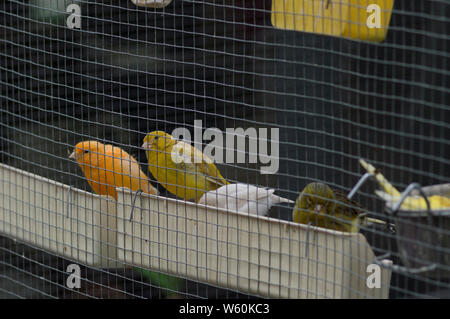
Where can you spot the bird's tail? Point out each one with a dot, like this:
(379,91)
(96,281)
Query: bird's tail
(278,199)
(369,221)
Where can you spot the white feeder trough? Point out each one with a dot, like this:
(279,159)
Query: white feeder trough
(67,221)
(250,254)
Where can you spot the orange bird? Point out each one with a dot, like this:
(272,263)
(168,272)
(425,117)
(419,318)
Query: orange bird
(107,167)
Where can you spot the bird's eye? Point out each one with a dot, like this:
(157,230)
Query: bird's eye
(86,151)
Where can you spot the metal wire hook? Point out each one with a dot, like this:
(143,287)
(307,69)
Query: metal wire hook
(307,239)
(391,227)
(133,203)
(69,202)
(358,185)
(405,194)
(379,261)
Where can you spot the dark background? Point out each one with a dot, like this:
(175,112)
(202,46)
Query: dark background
(132,70)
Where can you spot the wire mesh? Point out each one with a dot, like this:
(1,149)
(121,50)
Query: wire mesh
(274,107)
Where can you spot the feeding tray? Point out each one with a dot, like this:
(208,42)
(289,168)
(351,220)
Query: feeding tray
(423,237)
(246,253)
(67,221)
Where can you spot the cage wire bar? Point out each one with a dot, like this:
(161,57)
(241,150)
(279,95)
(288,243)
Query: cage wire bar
(300,89)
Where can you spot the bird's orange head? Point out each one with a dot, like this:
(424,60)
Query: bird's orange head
(84,150)
(157,140)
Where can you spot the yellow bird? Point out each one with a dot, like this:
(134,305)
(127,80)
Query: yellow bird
(107,167)
(181,168)
(392,195)
(321,206)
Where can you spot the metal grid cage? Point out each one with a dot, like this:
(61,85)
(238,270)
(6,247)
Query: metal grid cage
(278,94)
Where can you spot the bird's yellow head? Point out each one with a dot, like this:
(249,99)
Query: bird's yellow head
(315,199)
(83,151)
(157,140)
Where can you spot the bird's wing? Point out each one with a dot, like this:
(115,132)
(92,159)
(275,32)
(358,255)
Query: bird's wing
(124,163)
(244,198)
(237,194)
(263,193)
(129,171)
(248,192)
(213,198)
(233,196)
(190,159)
(353,206)
(258,200)
(222,197)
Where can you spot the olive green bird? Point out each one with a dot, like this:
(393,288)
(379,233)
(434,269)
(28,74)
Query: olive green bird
(181,168)
(321,206)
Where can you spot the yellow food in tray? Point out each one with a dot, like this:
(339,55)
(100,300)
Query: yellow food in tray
(366,20)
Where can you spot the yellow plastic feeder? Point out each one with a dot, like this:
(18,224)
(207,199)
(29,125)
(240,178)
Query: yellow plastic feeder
(152,3)
(366,20)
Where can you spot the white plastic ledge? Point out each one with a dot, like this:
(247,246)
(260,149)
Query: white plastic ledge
(247,253)
(251,254)
(67,221)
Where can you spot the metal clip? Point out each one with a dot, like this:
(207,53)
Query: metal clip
(405,194)
(69,202)
(358,185)
(379,261)
(133,203)
(307,239)
(390,227)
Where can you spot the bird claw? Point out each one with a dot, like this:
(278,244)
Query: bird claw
(392,228)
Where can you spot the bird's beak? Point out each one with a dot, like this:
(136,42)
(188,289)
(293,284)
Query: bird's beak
(146,146)
(318,208)
(72,156)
